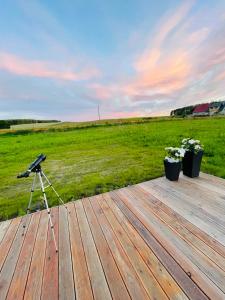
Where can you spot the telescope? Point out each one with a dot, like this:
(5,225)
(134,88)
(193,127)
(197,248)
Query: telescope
(34,166)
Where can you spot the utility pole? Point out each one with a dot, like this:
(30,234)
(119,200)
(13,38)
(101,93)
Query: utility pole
(99,113)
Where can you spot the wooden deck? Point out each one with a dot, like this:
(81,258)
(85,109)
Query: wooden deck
(155,240)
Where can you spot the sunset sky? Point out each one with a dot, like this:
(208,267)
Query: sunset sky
(61,59)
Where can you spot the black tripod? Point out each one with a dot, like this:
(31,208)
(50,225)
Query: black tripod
(39,174)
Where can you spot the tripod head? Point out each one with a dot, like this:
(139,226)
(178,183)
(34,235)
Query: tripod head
(35,166)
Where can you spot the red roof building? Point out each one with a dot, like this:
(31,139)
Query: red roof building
(201,109)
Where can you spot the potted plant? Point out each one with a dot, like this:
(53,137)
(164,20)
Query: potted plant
(192,158)
(172,162)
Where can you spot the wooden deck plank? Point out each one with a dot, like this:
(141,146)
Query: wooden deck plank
(206,266)
(211,270)
(171,221)
(207,185)
(114,279)
(211,242)
(18,284)
(207,200)
(183,208)
(208,278)
(200,208)
(11,260)
(169,285)
(66,280)
(213,179)
(148,280)
(34,280)
(134,286)
(8,239)
(3,228)
(168,259)
(154,240)
(50,285)
(81,276)
(95,269)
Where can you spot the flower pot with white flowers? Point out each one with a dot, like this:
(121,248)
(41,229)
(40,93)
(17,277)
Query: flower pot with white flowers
(192,158)
(172,162)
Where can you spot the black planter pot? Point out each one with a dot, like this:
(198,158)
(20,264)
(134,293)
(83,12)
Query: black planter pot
(192,163)
(172,170)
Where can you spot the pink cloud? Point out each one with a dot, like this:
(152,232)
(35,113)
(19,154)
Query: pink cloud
(184,61)
(183,64)
(152,53)
(100,91)
(121,114)
(36,68)
(156,96)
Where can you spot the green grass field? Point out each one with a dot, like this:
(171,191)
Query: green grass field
(87,161)
(32,126)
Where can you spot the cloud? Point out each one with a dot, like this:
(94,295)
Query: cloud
(100,91)
(147,98)
(178,61)
(121,114)
(183,63)
(167,24)
(37,68)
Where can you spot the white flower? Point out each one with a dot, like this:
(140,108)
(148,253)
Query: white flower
(198,147)
(182,152)
(171,159)
(191,142)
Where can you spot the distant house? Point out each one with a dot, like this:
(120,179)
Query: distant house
(222,109)
(201,110)
(183,111)
(214,108)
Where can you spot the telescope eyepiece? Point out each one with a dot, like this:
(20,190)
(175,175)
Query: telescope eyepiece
(24,174)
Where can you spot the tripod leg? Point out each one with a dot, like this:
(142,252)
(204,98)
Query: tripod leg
(30,201)
(50,184)
(31,193)
(48,210)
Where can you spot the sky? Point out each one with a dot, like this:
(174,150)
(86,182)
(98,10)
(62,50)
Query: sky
(63,59)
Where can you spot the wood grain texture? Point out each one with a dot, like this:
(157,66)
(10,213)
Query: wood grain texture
(195,215)
(130,277)
(167,282)
(18,283)
(3,228)
(81,275)
(115,282)
(95,269)
(34,281)
(154,240)
(50,285)
(8,239)
(146,277)
(209,278)
(168,217)
(11,260)
(66,281)
(182,278)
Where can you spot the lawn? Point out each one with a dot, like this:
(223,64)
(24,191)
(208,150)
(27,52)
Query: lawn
(32,126)
(92,160)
